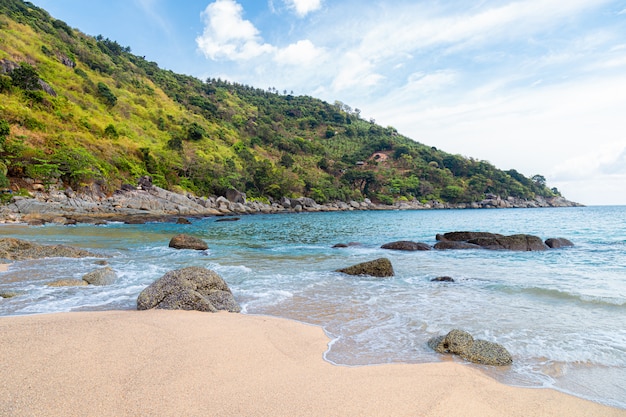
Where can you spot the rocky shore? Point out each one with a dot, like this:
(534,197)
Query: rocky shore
(147,202)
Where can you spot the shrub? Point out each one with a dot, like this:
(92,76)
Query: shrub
(106,94)
(111,131)
(195,131)
(25,77)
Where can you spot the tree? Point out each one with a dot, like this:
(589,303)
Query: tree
(539,180)
(5,130)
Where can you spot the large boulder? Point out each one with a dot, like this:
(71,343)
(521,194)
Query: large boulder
(377,268)
(518,242)
(235,196)
(463,344)
(183,241)
(406,245)
(486,240)
(191,288)
(101,276)
(558,242)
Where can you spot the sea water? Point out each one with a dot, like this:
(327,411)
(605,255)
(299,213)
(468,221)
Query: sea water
(560,313)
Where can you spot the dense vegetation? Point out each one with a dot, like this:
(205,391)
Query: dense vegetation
(87,111)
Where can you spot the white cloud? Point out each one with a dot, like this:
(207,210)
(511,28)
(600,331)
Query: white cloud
(227,35)
(304,7)
(422,83)
(355,70)
(302,52)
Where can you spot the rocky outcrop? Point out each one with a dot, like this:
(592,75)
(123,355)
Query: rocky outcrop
(18,250)
(148,202)
(183,241)
(520,242)
(377,268)
(558,242)
(192,288)
(486,240)
(463,344)
(406,245)
(101,276)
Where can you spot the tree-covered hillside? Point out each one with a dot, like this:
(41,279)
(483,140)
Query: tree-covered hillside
(87,111)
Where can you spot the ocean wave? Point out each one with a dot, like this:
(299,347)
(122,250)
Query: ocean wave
(565,295)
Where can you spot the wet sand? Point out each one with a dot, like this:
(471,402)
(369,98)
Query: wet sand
(179,363)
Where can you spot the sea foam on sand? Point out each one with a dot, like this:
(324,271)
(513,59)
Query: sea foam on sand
(182,363)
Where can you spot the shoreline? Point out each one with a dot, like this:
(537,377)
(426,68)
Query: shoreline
(171,363)
(148,202)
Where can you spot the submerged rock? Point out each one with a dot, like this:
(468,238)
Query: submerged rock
(9,294)
(68,283)
(102,276)
(377,268)
(558,242)
(406,245)
(228,219)
(479,351)
(442,279)
(191,288)
(19,250)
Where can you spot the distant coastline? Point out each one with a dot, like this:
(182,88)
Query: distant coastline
(148,202)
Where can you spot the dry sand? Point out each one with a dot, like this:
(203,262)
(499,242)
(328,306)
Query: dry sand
(178,363)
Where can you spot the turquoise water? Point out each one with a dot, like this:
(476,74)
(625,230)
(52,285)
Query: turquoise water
(561,313)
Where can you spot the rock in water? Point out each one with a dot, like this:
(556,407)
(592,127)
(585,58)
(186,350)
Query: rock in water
(68,283)
(458,341)
(487,353)
(377,268)
(183,241)
(477,351)
(19,250)
(558,242)
(192,288)
(406,245)
(442,279)
(102,276)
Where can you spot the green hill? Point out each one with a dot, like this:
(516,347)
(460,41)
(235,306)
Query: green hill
(87,111)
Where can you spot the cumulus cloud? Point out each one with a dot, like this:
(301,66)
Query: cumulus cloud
(303,52)
(304,7)
(227,35)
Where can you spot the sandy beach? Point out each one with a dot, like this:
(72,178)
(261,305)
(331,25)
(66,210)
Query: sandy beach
(179,363)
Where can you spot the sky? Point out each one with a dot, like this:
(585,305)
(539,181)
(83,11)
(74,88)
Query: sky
(533,85)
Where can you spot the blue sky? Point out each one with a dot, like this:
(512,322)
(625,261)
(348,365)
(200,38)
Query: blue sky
(534,85)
